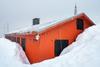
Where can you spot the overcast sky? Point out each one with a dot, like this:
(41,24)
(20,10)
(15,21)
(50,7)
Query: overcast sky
(19,13)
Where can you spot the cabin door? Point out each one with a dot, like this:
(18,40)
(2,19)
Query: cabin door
(23,42)
(59,46)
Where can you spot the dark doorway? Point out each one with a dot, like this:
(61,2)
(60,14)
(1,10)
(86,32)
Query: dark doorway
(18,40)
(23,41)
(14,39)
(80,24)
(59,46)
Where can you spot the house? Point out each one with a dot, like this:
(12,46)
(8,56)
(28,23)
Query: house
(45,41)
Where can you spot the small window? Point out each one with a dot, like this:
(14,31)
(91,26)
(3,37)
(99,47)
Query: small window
(23,43)
(18,40)
(80,24)
(14,39)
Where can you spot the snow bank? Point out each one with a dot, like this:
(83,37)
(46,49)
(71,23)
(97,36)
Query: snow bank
(85,52)
(11,54)
(84,38)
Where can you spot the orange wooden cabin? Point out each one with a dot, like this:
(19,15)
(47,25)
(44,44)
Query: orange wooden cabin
(49,41)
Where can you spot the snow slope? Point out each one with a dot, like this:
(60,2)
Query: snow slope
(11,54)
(85,52)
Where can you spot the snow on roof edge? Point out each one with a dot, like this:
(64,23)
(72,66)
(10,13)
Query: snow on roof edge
(41,27)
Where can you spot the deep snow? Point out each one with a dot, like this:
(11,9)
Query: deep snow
(84,52)
(11,54)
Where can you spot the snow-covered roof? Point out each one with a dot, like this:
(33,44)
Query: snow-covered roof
(39,27)
(42,26)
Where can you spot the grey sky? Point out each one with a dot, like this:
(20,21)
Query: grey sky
(19,13)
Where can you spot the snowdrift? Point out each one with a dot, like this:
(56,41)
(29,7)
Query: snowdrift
(11,54)
(84,52)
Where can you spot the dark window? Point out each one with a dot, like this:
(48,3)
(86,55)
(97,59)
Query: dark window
(59,46)
(23,43)
(14,39)
(18,40)
(80,24)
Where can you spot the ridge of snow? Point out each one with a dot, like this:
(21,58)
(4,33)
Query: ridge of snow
(11,54)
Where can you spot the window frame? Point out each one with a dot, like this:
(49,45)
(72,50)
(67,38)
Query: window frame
(80,24)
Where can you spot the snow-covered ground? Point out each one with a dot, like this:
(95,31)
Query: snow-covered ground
(11,54)
(84,52)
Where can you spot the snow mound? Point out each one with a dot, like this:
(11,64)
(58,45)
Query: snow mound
(86,37)
(84,52)
(11,54)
